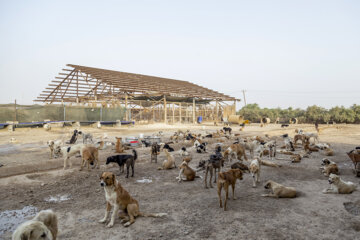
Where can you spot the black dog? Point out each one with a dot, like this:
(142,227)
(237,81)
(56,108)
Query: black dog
(74,137)
(146,143)
(122,159)
(227,130)
(167,146)
(189,136)
(155,149)
(284,125)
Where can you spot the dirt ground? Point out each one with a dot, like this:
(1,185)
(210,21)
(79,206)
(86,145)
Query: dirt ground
(29,179)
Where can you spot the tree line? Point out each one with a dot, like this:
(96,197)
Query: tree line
(311,114)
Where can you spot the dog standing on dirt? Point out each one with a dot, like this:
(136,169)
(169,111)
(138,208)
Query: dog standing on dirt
(54,146)
(44,226)
(74,137)
(255,171)
(68,152)
(119,199)
(123,159)
(224,180)
(90,156)
(235,149)
(216,161)
(279,191)
(155,151)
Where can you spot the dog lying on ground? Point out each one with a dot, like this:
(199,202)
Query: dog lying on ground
(155,151)
(119,199)
(187,171)
(279,191)
(284,125)
(235,149)
(328,152)
(90,156)
(44,226)
(309,148)
(168,163)
(296,158)
(337,185)
(200,147)
(123,159)
(329,167)
(224,180)
(183,152)
(54,146)
(167,146)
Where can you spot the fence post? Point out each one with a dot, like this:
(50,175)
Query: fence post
(100,112)
(64,112)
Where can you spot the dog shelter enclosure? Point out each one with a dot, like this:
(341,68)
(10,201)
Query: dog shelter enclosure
(142,98)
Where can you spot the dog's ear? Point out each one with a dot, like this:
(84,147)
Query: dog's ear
(113,178)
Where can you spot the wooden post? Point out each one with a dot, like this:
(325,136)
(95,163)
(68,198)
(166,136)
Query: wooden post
(126,108)
(173,113)
(165,112)
(180,112)
(194,109)
(217,111)
(141,110)
(15,112)
(187,112)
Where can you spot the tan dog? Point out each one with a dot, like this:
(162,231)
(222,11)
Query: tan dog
(255,171)
(44,226)
(279,191)
(309,148)
(224,180)
(118,198)
(329,167)
(328,152)
(187,171)
(237,150)
(119,147)
(298,137)
(168,163)
(54,147)
(90,156)
(296,158)
(337,185)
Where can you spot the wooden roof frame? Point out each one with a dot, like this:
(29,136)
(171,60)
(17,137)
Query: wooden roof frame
(83,84)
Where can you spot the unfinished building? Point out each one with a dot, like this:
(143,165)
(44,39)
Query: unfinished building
(145,98)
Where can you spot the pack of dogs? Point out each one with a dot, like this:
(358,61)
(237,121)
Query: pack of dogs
(227,164)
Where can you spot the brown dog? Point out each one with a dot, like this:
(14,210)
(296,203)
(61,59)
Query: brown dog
(119,147)
(236,149)
(224,180)
(117,197)
(187,171)
(90,156)
(329,167)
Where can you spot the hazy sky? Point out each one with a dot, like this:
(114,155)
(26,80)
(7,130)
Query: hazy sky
(283,53)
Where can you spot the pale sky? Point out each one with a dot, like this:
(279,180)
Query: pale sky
(283,53)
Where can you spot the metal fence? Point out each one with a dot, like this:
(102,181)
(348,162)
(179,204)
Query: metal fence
(31,113)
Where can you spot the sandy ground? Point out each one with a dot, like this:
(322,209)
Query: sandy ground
(29,179)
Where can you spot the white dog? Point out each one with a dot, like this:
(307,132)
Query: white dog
(70,151)
(255,171)
(54,146)
(44,226)
(337,185)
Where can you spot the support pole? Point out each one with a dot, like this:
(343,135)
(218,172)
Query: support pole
(194,109)
(165,112)
(180,113)
(15,112)
(173,113)
(217,111)
(126,108)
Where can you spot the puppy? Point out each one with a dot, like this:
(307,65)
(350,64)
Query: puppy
(288,142)
(54,146)
(168,163)
(187,171)
(271,146)
(183,152)
(227,130)
(296,158)
(44,226)
(119,199)
(146,143)
(224,180)
(337,185)
(329,167)
(279,191)
(255,171)
(123,159)
(284,125)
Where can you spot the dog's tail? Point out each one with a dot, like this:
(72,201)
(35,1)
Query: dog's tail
(135,154)
(155,215)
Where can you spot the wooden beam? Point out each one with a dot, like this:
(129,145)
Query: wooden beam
(165,112)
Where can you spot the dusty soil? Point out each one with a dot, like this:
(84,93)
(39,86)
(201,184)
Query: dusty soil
(29,178)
